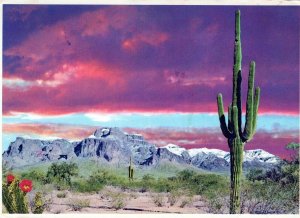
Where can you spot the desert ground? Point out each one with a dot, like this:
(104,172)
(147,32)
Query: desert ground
(116,200)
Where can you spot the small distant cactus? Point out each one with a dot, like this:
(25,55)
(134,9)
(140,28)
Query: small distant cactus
(130,171)
(14,195)
(39,205)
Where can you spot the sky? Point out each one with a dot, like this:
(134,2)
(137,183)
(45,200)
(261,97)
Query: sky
(155,70)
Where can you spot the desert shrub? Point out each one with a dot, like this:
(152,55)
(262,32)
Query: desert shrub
(218,204)
(117,199)
(85,186)
(186,175)
(103,176)
(158,199)
(133,195)
(202,184)
(36,175)
(61,195)
(78,204)
(255,174)
(61,174)
(269,198)
(274,191)
(290,173)
(147,182)
(186,201)
(295,148)
(173,197)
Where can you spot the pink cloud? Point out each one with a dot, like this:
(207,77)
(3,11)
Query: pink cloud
(58,43)
(99,22)
(50,130)
(83,64)
(151,38)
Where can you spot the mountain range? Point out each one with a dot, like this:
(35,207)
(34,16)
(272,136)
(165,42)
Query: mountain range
(115,146)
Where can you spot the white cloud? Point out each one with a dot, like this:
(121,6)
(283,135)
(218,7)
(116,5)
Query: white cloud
(30,116)
(17,83)
(100,117)
(58,78)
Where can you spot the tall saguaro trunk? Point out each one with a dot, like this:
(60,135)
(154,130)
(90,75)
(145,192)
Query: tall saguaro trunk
(233,131)
(236,161)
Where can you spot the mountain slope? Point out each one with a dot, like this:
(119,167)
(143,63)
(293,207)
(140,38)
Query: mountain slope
(115,146)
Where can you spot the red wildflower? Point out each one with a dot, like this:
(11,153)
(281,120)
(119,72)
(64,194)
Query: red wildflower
(10,178)
(26,185)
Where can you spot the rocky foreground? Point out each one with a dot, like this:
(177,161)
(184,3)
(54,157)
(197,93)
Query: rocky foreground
(116,147)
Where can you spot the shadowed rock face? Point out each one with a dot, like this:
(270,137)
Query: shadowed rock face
(209,162)
(115,146)
(31,151)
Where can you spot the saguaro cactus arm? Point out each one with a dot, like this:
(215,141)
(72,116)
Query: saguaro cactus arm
(230,117)
(252,106)
(222,119)
(255,109)
(249,105)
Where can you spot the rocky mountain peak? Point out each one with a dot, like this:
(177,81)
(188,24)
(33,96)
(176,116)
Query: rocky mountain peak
(116,146)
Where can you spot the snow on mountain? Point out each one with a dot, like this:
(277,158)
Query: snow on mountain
(92,137)
(249,155)
(219,153)
(175,149)
(260,155)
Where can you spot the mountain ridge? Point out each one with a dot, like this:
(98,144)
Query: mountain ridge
(115,146)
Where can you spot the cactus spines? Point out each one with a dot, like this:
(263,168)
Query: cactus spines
(38,204)
(130,171)
(233,131)
(13,198)
(8,197)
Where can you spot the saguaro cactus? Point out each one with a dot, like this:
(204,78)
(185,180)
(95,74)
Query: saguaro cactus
(233,131)
(130,171)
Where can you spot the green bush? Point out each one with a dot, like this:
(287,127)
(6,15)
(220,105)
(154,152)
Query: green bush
(61,174)
(186,175)
(269,198)
(35,174)
(78,204)
(61,195)
(274,191)
(255,175)
(85,186)
(103,177)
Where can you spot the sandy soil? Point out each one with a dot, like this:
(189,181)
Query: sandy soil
(109,199)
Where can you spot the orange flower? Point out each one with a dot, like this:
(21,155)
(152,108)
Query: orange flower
(10,178)
(26,185)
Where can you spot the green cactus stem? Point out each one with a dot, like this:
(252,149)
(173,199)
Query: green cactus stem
(14,199)
(39,206)
(233,131)
(8,199)
(130,171)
